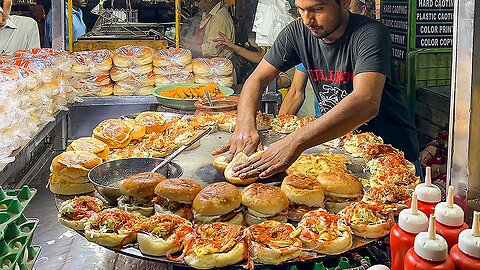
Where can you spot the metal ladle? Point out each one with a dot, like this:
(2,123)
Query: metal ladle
(182,148)
(209,99)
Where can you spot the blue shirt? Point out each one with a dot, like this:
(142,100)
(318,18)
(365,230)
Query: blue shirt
(79,27)
(316,104)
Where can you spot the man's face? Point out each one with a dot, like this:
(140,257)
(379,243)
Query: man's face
(322,17)
(79,3)
(203,5)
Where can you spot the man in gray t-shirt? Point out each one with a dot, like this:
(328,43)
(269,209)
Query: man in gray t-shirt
(348,60)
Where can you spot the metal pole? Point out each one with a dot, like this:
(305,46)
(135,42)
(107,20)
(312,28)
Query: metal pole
(70,26)
(178,10)
(58,24)
(464,140)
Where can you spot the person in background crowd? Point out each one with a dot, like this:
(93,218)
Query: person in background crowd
(363,7)
(16,32)
(215,19)
(435,155)
(349,62)
(79,28)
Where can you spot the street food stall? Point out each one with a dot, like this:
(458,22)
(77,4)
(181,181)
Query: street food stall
(78,190)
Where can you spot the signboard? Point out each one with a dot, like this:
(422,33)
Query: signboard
(395,18)
(433,24)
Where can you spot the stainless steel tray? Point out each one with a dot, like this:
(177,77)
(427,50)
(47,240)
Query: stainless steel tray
(197,164)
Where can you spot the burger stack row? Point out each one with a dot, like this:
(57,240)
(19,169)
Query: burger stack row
(34,85)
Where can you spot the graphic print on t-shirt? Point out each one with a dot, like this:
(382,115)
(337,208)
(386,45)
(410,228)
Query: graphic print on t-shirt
(329,96)
(330,93)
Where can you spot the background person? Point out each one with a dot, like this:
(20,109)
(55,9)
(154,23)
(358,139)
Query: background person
(215,18)
(79,28)
(16,32)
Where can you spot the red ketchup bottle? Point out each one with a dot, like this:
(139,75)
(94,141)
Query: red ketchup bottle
(449,218)
(429,251)
(428,195)
(402,236)
(466,254)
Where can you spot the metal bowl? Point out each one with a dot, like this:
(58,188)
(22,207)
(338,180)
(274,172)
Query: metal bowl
(106,177)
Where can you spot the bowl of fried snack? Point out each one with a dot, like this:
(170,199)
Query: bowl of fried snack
(184,95)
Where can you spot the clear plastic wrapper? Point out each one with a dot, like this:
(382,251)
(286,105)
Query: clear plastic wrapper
(174,78)
(92,62)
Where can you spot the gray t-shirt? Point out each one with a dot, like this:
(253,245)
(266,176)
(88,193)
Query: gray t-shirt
(364,47)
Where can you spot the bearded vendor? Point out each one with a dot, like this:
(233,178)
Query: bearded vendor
(348,58)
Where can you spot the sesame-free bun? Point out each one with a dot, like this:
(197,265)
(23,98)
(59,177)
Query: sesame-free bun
(90,144)
(218,66)
(108,239)
(342,185)
(265,199)
(141,185)
(220,164)
(129,55)
(303,190)
(178,190)
(138,129)
(114,132)
(371,231)
(172,57)
(239,159)
(58,186)
(214,260)
(217,199)
(74,165)
(153,121)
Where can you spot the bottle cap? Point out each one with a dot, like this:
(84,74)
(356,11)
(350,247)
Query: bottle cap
(426,191)
(411,220)
(429,245)
(448,213)
(469,239)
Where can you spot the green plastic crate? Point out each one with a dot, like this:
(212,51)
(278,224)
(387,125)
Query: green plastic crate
(432,67)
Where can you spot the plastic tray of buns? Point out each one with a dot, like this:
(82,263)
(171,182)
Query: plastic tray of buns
(12,205)
(15,247)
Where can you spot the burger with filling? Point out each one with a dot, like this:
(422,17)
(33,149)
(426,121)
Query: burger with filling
(340,189)
(304,193)
(218,202)
(138,192)
(264,202)
(175,196)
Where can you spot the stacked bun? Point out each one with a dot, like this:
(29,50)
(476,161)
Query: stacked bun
(173,65)
(264,202)
(132,70)
(305,194)
(69,172)
(91,145)
(213,70)
(91,72)
(341,189)
(176,197)
(218,202)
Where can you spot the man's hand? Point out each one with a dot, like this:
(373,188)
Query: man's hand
(242,140)
(223,42)
(275,159)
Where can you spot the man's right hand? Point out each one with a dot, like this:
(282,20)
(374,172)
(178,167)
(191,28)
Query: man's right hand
(246,140)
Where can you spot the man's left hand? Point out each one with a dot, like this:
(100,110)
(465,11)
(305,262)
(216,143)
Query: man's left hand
(277,158)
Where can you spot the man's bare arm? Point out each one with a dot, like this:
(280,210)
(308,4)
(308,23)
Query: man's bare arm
(296,94)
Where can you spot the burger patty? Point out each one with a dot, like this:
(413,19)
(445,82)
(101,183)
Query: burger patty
(296,211)
(340,200)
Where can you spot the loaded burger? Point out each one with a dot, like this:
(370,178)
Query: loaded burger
(218,202)
(264,202)
(138,192)
(341,189)
(176,197)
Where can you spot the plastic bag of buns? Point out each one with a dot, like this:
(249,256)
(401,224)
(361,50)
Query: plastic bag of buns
(217,66)
(220,80)
(126,89)
(119,73)
(172,70)
(172,57)
(140,80)
(129,55)
(174,78)
(91,90)
(97,62)
(90,80)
